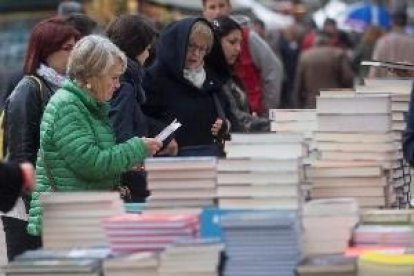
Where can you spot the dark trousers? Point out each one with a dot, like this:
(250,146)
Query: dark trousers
(17,239)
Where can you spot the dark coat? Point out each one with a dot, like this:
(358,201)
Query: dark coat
(170,95)
(126,114)
(128,121)
(10,185)
(23,112)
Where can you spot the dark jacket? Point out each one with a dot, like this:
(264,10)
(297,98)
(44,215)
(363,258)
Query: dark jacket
(170,95)
(23,111)
(11,182)
(240,117)
(408,136)
(128,121)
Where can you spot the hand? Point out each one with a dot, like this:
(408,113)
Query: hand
(153,145)
(28,175)
(215,128)
(171,149)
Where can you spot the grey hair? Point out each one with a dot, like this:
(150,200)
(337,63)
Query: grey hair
(92,56)
(200,28)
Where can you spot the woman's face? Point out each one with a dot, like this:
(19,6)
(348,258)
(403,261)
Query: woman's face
(196,51)
(59,59)
(231,45)
(104,86)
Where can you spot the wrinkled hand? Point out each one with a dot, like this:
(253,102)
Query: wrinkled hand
(215,128)
(153,145)
(28,175)
(171,149)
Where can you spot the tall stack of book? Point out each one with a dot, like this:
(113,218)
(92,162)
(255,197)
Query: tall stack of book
(399,91)
(148,232)
(355,141)
(366,182)
(340,215)
(259,183)
(262,171)
(74,219)
(142,264)
(261,243)
(181,182)
(85,261)
(195,257)
(385,228)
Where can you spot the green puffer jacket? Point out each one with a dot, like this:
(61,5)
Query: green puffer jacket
(79,148)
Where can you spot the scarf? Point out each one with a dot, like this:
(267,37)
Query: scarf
(50,75)
(195,76)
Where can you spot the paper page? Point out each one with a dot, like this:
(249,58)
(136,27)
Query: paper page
(167,131)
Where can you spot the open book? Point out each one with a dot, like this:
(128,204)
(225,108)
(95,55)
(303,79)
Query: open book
(389,64)
(168,130)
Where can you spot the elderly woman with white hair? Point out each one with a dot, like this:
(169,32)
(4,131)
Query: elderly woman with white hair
(78,151)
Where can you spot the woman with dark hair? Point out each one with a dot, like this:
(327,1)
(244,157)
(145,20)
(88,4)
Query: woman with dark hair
(135,35)
(50,44)
(229,34)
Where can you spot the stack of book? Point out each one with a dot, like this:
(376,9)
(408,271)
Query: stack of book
(262,171)
(148,232)
(341,215)
(142,264)
(259,183)
(399,91)
(74,219)
(267,145)
(388,263)
(294,120)
(385,228)
(181,182)
(195,257)
(86,261)
(327,265)
(303,121)
(355,135)
(261,243)
(366,182)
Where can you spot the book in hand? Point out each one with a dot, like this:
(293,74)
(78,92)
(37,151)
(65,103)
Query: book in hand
(389,64)
(168,130)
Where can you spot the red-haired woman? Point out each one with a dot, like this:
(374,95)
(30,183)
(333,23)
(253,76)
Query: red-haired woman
(50,44)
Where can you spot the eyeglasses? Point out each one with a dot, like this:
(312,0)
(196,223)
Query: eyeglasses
(67,47)
(193,48)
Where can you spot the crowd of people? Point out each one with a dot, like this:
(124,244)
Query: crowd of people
(85,108)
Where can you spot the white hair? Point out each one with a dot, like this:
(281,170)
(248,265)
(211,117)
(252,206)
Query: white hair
(92,56)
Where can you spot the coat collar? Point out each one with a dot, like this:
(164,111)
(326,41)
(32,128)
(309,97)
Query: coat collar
(98,108)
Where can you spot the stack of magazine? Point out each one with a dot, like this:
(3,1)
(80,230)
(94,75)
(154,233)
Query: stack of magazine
(261,243)
(148,232)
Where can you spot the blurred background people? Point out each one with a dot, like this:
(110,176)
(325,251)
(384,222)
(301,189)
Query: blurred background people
(396,45)
(182,85)
(77,146)
(364,51)
(321,67)
(134,35)
(50,44)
